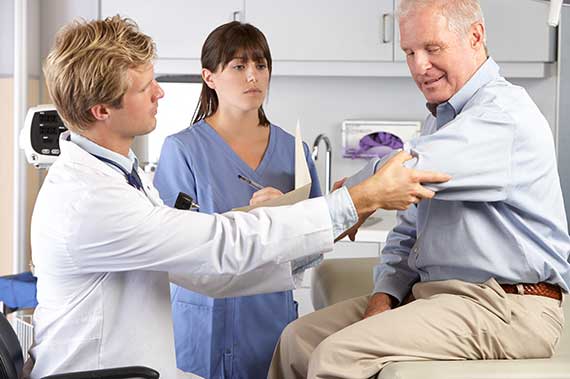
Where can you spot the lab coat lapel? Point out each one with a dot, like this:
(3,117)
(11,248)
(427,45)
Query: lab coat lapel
(73,153)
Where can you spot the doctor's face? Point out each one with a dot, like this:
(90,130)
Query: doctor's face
(137,114)
(440,60)
(241,85)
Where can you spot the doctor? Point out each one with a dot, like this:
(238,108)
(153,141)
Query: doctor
(104,244)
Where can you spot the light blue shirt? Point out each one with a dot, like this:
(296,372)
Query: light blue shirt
(502,213)
(92,148)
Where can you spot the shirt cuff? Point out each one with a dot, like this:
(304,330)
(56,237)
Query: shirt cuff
(342,211)
(397,286)
(299,265)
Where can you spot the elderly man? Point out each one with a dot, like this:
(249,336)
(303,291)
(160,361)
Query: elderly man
(486,259)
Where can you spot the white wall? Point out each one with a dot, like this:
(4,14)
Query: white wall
(57,13)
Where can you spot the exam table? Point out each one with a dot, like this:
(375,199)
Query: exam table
(340,279)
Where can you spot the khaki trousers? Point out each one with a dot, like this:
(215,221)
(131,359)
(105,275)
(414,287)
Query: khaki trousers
(449,320)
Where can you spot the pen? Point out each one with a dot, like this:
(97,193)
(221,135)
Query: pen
(255,185)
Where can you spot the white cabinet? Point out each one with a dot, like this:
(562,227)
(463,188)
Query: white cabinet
(516,31)
(331,37)
(179,27)
(325,30)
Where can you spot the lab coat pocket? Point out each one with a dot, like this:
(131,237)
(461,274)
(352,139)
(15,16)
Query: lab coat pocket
(192,335)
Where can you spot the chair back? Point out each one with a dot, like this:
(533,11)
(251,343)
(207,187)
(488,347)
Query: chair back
(11,357)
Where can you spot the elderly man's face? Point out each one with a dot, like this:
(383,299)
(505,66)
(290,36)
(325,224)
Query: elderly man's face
(440,61)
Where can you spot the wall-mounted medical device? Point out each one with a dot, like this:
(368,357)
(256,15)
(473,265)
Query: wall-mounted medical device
(39,138)
(370,139)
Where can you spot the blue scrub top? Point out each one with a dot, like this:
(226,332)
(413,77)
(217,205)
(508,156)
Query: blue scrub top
(232,337)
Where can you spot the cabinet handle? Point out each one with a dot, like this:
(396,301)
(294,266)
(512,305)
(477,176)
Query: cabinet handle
(387,28)
(236,16)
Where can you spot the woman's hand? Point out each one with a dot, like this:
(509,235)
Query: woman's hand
(265,194)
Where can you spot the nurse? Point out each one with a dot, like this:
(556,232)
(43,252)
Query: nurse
(231,135)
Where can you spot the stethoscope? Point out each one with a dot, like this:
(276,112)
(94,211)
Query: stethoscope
(184,201)
(133,177)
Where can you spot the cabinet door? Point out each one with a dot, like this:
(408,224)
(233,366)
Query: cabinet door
(516,31)
(325,30)
(179,27)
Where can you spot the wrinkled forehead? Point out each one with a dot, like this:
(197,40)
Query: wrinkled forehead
(424,26)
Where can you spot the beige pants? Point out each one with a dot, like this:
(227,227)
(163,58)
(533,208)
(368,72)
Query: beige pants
(449,320)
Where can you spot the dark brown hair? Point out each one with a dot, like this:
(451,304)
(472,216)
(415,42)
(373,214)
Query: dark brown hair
(223,44)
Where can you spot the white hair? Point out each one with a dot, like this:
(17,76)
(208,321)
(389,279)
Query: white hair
(460,14)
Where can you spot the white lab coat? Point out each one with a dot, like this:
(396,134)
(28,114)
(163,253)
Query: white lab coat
(103,250)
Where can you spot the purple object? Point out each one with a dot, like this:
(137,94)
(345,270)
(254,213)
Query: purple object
(377,144)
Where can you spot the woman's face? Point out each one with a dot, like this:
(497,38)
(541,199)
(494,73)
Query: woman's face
(241,85)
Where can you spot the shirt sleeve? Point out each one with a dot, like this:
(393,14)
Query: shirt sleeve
(370,169)
(393,274)
(343,216)
(342,211)
(141,236)
(174,172)
(475,149)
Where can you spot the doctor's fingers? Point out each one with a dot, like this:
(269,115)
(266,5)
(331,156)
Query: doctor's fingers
(421,192)
(399,158)
(429,176)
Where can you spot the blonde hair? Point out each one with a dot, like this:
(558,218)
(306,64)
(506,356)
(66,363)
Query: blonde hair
(88,66)
(460,14)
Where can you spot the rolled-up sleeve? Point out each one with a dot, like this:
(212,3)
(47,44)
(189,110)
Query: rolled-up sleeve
(475,149)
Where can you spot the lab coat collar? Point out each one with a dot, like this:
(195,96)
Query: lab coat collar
(92,148)
(72,152)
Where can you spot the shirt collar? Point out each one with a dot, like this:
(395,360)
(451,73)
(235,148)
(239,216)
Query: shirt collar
(447,111)
(92,148)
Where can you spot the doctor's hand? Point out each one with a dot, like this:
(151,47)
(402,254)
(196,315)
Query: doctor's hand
(394,187)
(351,233)
(378,303)
(265,194)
